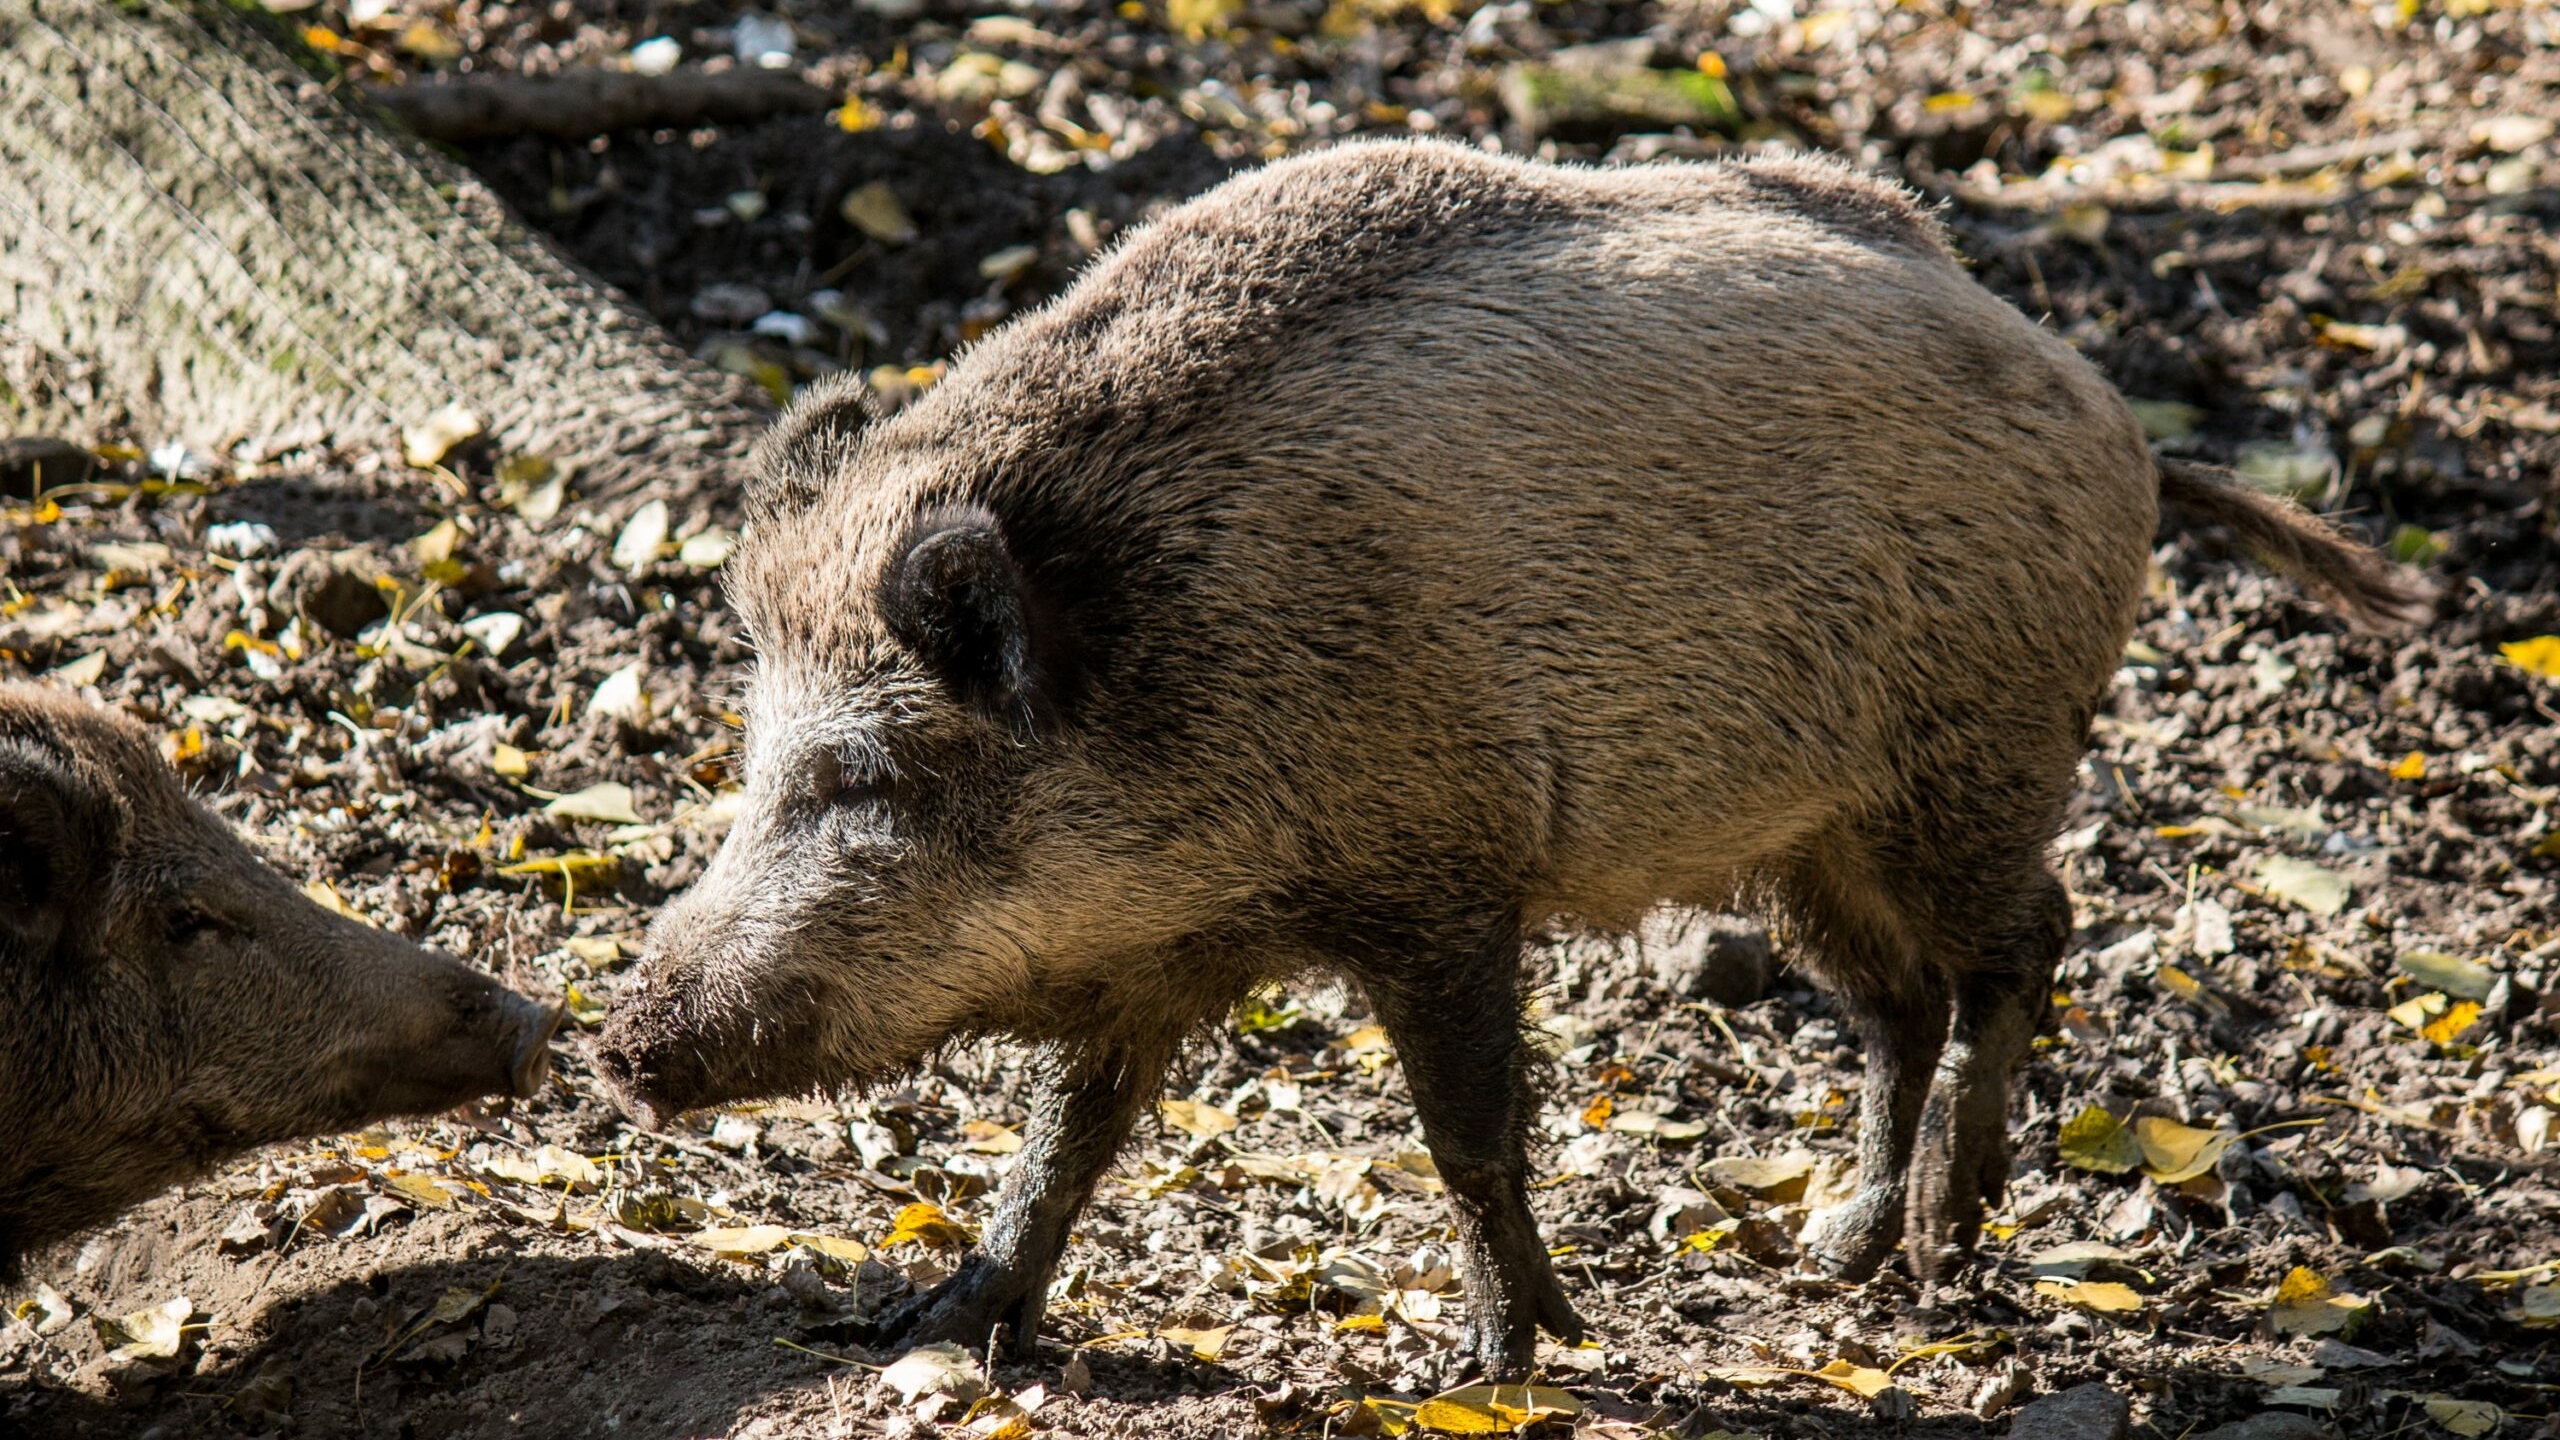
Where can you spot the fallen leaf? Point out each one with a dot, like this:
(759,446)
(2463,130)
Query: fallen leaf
(623,695)
(426,443)
(423,1190)
(925,1224)
(642,535)
(1859,1380)
(154,1334)
(1660,1127)
(2106,1296)
(2075,1259)
(2412,766)
(2097,1141)
(325,895)
(986,1137)
(874,210)
(2306,1305)
(2539,655)
(89,669)
(2172,1152)
(938,1369)
(2537,1306)
(2448,1027)
(47,1311)
(2299,882)
(741,1241)
(1205,1343)
(1494,1409)
(609,801)
(2451,974)
(1781,1178)
(1196,1118)
(2467,1418)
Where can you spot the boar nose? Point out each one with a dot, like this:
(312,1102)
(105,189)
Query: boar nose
(530,1024)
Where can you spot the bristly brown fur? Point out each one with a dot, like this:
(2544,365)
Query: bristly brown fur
(1416,549)
(2351,576)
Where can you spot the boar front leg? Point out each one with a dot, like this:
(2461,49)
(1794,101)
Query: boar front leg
(1456,1030)
(1083,1107)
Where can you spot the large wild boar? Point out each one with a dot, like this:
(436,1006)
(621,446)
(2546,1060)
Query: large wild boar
(1389,557)
(167,1001)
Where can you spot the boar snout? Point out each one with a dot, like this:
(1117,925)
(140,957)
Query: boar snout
(455,1037)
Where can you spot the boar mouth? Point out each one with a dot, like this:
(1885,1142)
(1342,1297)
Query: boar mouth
(656,1079)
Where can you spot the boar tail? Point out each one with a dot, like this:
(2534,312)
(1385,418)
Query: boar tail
(2350,576)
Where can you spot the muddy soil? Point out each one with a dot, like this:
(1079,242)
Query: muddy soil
(2312,870)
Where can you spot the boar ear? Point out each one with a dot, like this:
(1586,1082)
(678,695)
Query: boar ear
(54,828)
(808,445)
(957,598)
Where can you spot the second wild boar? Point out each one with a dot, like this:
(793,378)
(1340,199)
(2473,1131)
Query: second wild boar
(1392,556)
(167,1001)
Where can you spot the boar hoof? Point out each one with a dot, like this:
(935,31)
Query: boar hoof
(967,1309)
(1502,1343)
(1856,1237)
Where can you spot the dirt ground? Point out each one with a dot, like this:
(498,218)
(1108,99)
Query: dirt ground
(2313,871)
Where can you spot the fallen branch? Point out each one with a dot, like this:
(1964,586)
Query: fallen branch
(582,104)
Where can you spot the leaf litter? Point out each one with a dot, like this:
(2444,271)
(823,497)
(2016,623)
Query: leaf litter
(2292,921)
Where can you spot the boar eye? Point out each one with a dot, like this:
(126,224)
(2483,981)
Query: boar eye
(859,787)
(193,922)
(841,783)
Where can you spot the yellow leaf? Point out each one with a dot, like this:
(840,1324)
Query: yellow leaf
(578,865)
(2172,1152)
(1205,1343)
(2101,1295)
(925,1224)
(2467,1418)
(1858,1380)
(986,1137)
(2188,988)
(1781,1178)
(509,761)
(2306,1305)
(741,1241)
(326,897)
(2415,1011)
(1494,1409)
(2412,766)
(2447,1028)
(2539,655)
(1596,1114)
(1368,1324)
(1199,1119)
(422,1190)
(856,117)
(2095,1140)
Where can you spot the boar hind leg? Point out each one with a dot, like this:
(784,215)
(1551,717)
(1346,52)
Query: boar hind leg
(1081,1114)
(1963,1162)
(1456,1030)
(1899,1006)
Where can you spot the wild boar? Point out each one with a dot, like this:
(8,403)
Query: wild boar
(1394,555)
(170,1001)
